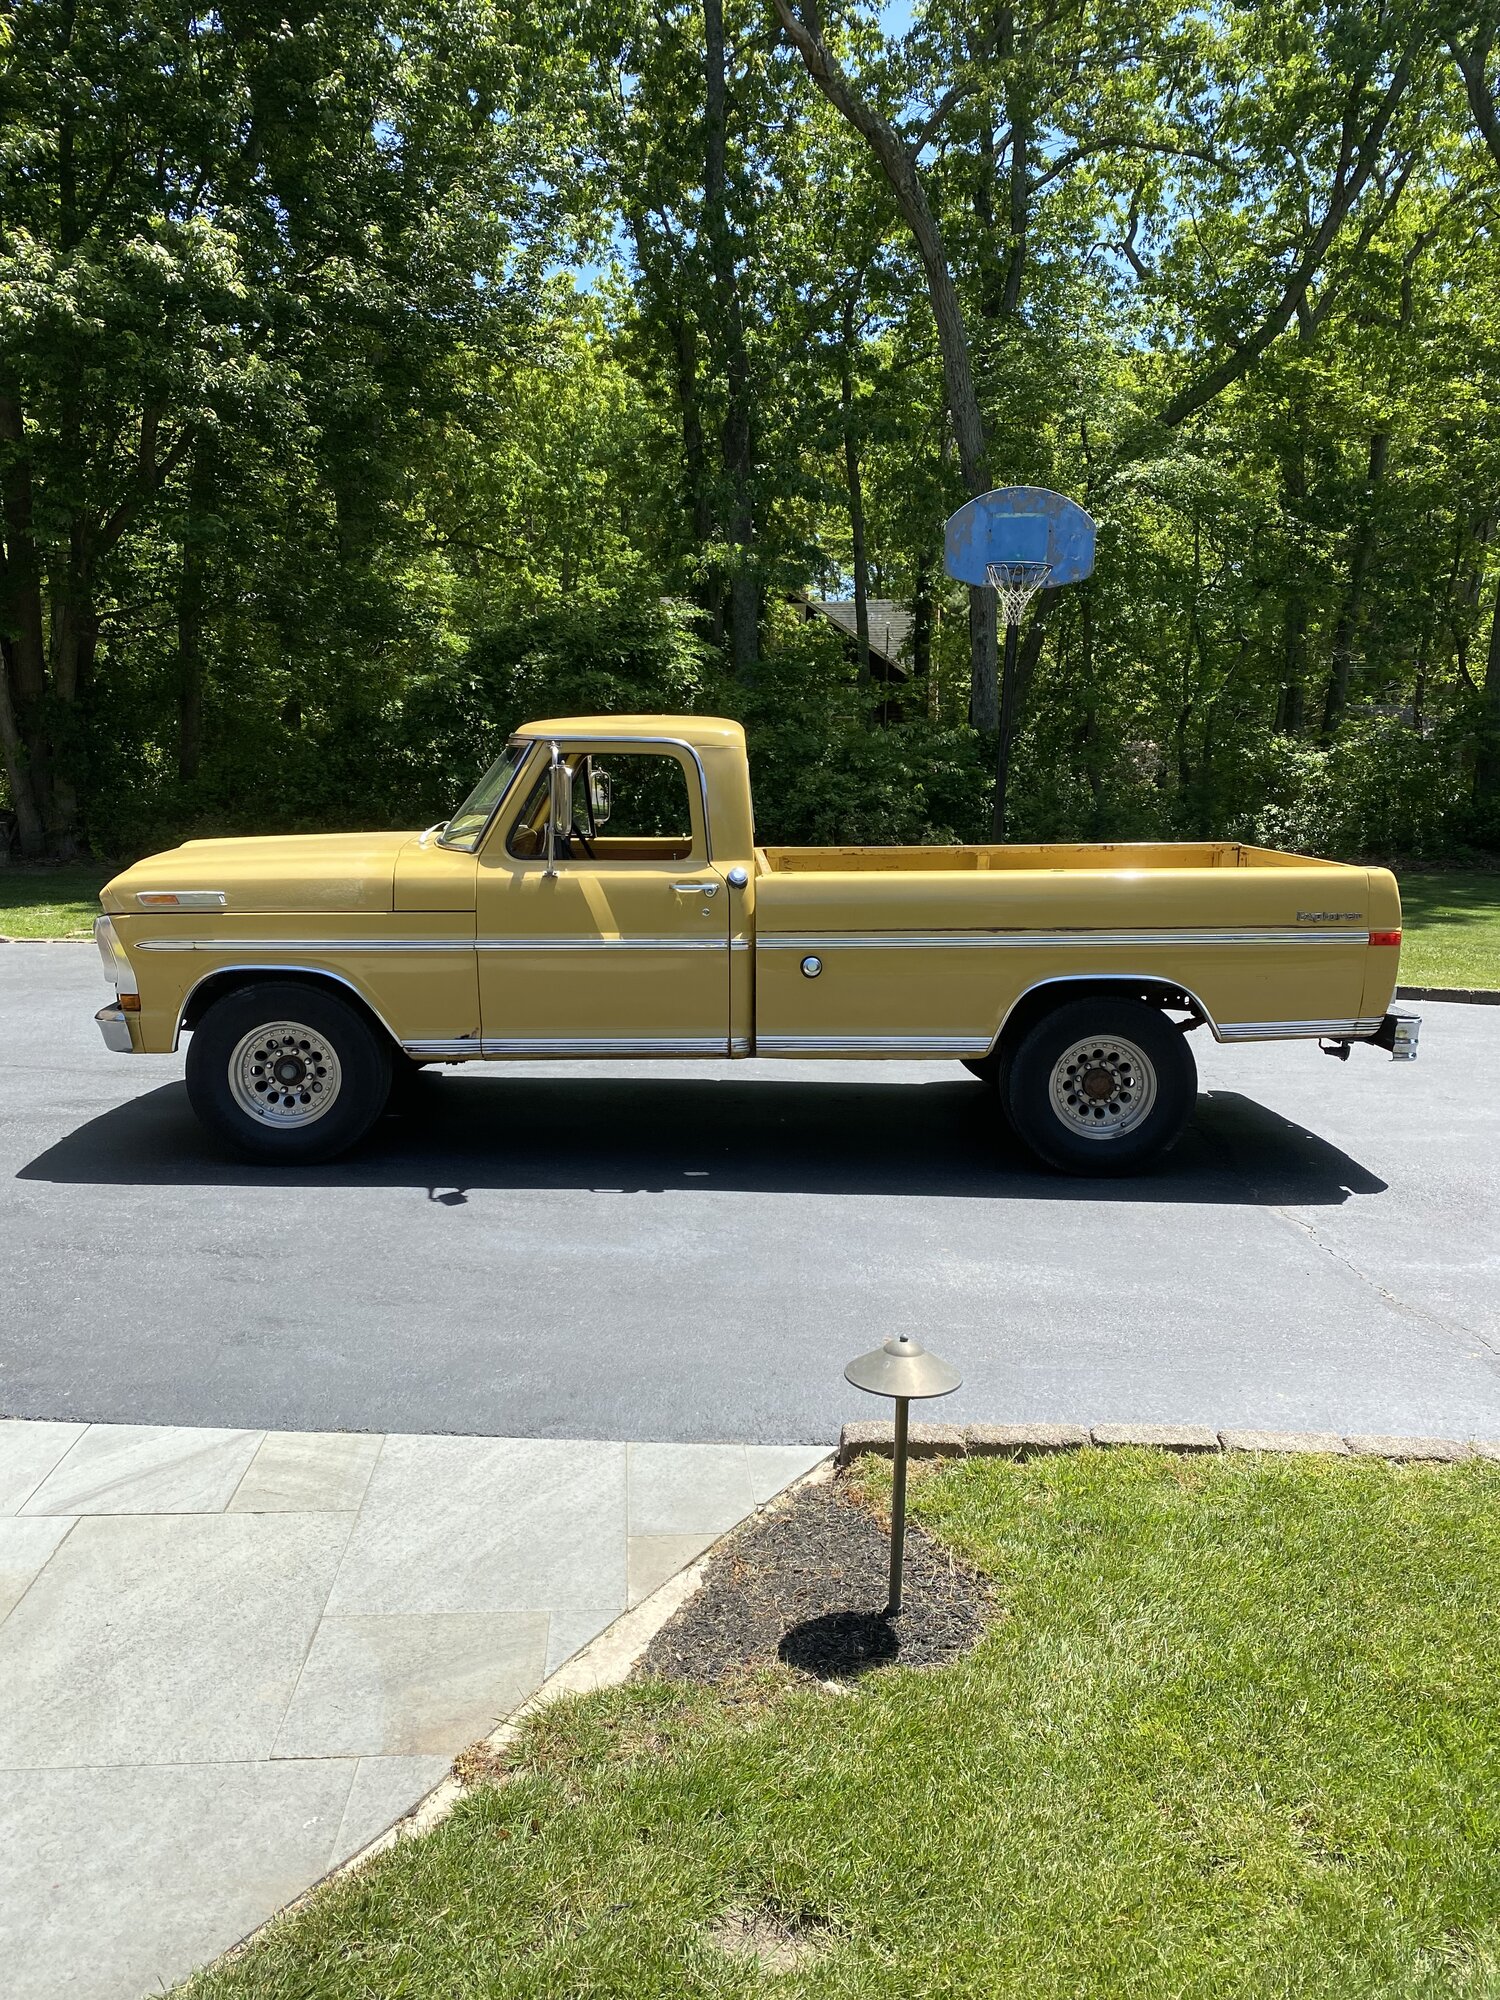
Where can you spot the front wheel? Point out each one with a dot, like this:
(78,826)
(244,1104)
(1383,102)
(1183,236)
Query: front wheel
(1102,1086)
(287,1072)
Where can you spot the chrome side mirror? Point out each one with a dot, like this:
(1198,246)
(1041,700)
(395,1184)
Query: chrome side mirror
(559,807)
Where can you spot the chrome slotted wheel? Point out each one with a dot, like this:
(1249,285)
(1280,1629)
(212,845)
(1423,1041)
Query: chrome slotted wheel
(1103,1088)
(284,1073)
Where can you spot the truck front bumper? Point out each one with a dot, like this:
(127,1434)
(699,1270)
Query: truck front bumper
(114,1025)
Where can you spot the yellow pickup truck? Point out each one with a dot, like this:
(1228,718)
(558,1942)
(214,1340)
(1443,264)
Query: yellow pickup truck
(600,893)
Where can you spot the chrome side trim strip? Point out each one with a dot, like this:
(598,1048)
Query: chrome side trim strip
(322,945)
(739,1045)
(825,942)
(303,944)
(871,1045)
(1271,1031)
(468,1045)
(605,944)
(601,1045)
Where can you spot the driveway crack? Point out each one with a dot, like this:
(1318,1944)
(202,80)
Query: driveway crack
(1383,1292)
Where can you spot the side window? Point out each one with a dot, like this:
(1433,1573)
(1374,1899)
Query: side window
(628,805)
(649,810)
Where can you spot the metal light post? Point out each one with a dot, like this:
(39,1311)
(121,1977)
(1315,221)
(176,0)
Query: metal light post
(903,1369)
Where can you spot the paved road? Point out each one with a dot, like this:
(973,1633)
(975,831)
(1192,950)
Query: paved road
(693,1252)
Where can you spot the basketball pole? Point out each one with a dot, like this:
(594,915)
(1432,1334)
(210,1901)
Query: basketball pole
(1007,723)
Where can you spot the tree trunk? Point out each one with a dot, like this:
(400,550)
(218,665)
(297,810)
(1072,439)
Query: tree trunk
(23,736)
(898,164)
(1018,111)
(1487,759)
(856,494)
(1291,708)
(739,450)
(75,636)
(1346,630)
(694,452)
(922,607)
(192,595)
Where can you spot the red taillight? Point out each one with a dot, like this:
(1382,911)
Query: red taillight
(1385,937)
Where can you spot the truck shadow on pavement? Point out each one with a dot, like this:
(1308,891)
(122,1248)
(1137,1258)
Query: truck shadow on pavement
(654,1134)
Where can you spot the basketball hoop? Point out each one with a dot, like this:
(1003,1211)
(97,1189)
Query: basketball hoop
(1015,584)
(1015,541)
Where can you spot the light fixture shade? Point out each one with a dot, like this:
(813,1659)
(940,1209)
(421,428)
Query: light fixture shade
(902,1367)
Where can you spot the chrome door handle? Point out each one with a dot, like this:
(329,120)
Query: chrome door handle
(696,888)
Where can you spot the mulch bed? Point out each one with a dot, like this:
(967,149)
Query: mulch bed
(805,1583)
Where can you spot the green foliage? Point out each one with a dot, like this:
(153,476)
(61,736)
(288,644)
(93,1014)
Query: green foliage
(322,466)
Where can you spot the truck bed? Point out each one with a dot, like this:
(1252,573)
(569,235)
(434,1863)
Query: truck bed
(903,950)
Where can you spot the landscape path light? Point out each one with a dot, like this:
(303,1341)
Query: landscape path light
(902,1368)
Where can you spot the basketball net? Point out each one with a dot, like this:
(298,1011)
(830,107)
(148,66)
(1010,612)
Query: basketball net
(1015,584)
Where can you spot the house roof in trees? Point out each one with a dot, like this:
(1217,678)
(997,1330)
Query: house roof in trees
(890,622)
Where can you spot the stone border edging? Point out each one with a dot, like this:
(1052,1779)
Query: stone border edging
(1474,996)
(1033,1440)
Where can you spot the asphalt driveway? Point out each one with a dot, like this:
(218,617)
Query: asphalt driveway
(692,1252)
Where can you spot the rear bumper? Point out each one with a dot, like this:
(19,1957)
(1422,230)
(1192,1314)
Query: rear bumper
(1400,1034)
(114,1025)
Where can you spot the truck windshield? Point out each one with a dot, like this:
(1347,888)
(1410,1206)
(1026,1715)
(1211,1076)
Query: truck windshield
(478,809)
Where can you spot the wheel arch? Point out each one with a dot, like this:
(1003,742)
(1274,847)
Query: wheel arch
(1040,999)
(233,978)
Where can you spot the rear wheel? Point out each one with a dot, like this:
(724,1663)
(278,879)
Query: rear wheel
(287,1072)
(1102,1086)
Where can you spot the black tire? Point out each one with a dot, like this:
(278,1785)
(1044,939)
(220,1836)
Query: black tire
(1125,1102)
(233,1055)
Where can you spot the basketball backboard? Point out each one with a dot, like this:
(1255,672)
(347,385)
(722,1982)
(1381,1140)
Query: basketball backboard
(1019,525)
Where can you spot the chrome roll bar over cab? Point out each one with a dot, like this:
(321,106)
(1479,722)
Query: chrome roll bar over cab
(1397,1032)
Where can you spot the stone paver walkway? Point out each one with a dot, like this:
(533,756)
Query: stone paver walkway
(229,1659)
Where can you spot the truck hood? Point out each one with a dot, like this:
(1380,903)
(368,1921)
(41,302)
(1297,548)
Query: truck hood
(316,871)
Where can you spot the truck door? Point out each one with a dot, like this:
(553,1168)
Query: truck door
(616,942)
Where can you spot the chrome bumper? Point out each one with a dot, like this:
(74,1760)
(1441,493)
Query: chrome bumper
(1399,1033)
(114,1025)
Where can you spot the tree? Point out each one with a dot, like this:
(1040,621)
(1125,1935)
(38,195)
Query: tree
(222,225)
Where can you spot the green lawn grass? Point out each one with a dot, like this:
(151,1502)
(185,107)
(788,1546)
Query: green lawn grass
(50,902)
(1234,1733)
(1451,934)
